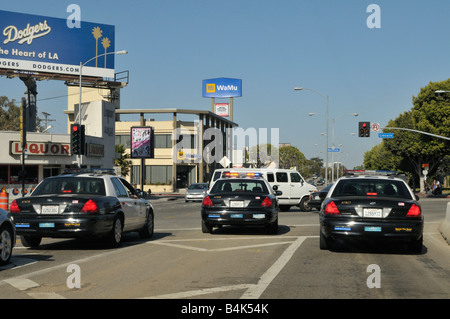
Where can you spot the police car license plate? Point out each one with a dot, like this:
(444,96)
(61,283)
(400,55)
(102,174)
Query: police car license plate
(49,209)
(236,203)
(373,212)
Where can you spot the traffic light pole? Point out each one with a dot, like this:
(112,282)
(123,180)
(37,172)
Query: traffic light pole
(416,131)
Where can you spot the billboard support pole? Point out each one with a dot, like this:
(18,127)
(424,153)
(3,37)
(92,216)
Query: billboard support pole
(24,141)
(142,159)
(231,109)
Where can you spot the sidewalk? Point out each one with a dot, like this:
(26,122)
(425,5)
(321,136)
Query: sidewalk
(164,196)
(432,196)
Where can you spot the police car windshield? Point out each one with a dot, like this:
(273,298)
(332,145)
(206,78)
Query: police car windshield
(371,187)
(237,186)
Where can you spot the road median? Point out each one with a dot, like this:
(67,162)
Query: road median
(445,226)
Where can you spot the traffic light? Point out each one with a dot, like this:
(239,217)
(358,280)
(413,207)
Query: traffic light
(364,129)
(75,138)
(82,140)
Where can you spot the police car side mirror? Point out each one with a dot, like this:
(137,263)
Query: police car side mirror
(275,187)
(278,193)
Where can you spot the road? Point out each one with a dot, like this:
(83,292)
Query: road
(232,263)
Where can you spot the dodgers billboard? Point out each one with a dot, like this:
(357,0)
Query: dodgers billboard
(222,87)
(37,44)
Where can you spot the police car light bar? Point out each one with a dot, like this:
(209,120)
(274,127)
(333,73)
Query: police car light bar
(235,174)
(369,172)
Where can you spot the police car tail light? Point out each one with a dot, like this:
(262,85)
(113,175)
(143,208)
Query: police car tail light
(414,211)
(207,202)
(90,207)
(331,209)
(14,208)
(267,202)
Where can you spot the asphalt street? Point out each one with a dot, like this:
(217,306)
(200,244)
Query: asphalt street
(180,262)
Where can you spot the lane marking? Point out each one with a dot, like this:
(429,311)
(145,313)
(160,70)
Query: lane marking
(21,283)
(205,291)
(254,292)
(219,249)
(45,295)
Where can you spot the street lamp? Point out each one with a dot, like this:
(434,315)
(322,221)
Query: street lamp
(326,144)
(81,74)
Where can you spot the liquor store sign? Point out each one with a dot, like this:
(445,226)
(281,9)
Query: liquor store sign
(40,148)
(34,44)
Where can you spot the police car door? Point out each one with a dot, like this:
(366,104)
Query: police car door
(129,205)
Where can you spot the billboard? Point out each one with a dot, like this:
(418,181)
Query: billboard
(222,87)
(142,142)
(34,44)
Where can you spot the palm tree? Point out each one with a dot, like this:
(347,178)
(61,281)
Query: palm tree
(106,44)
(97,32)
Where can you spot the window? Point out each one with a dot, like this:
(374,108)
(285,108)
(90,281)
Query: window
(31,174)
(120,189)
(282,177)
(158,174)
(163,141)
(65,185)
(135,174)
(153,174)
(295,178)
(239,186)
(51,171)
(270,178)
(124,140)
(371,187)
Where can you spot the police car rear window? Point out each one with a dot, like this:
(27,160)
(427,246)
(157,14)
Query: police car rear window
(73,185)
(239,186)
(371,187)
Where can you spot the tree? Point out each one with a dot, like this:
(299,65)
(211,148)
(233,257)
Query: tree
(380,158)
(123,161)
(290,156)
(9,115)
(430,113)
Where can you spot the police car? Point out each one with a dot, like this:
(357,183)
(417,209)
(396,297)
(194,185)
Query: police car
(241,199)
(372,206)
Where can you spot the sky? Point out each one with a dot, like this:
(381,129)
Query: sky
(325,46)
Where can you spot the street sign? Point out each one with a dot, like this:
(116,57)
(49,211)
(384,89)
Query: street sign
(386,135)
(375,127)
(334,149)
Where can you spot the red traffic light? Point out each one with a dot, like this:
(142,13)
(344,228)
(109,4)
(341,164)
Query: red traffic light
(75,128)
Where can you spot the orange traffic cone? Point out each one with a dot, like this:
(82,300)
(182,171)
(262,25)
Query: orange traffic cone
(4,197)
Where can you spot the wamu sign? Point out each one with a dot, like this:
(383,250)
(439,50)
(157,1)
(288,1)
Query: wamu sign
(222,87)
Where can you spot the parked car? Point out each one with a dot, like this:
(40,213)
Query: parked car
(7,237)
(240,201)
(316,199)
(371,207)
(196,192)
(84,203)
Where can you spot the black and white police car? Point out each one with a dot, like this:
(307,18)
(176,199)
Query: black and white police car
(371,206)
(240,199)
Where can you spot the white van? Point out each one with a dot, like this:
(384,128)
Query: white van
(295,190)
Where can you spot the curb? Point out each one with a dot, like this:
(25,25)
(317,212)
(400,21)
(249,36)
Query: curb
(445,226)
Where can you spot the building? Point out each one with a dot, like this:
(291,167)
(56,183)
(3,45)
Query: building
(171,168)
